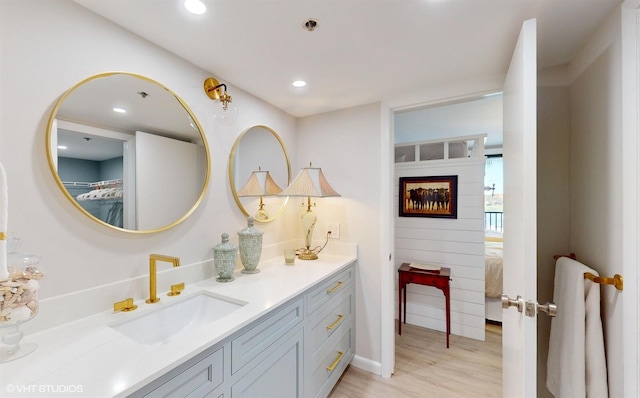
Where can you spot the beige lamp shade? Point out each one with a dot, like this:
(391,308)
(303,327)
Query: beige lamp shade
(260,183)
(310,182)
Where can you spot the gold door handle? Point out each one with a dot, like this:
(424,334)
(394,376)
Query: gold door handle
(336,287)
(336,362)
(336,323)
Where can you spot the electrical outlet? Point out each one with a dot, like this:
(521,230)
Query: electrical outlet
(335,230)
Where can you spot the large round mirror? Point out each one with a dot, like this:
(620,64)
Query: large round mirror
(128,152)
(259,169)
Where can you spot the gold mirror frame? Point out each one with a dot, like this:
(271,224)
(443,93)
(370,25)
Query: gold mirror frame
(196,125)
(232,170)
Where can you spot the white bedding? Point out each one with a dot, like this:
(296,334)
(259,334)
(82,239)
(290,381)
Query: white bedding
(493,264)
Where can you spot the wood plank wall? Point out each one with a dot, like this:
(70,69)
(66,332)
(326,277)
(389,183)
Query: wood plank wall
(454,243)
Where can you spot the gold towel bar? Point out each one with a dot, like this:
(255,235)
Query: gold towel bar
(570,255)
(615,281)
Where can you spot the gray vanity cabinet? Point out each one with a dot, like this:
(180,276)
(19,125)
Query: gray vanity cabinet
(266,358)
(329,332)
(299,349)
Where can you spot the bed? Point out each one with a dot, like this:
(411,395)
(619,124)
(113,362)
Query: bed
(493,275)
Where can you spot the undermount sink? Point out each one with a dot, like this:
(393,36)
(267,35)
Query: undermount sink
(172,320)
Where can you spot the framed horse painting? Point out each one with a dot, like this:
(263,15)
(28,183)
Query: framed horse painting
(435,196)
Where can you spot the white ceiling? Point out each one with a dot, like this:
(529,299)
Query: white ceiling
(363,51)
(150,108)
(482,115)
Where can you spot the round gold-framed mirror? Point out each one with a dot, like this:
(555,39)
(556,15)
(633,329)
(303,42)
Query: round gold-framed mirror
(259,168)
(128,152)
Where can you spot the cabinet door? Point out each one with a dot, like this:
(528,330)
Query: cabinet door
(278,376)
(194,378)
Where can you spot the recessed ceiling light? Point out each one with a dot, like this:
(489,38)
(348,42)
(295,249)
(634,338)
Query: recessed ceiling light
(62,147)
(299,83)
(119,110)
(195,7)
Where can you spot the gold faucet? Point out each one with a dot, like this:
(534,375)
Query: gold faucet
(152,274)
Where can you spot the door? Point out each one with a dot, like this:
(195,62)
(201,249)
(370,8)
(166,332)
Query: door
(519,147)
(155,176)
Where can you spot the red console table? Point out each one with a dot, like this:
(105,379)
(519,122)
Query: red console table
(439,280)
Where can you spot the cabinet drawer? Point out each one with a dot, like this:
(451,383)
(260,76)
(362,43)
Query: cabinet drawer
(328,289)
(196,381)
(330,321)
(335,359)
(435,280)
(266,331)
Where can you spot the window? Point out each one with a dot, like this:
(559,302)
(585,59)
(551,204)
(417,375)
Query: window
(493,193)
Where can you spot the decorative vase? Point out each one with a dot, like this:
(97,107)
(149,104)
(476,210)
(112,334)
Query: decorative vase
(250,247)
(19,303)
(224,259)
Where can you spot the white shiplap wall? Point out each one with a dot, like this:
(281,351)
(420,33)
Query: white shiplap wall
(454,243)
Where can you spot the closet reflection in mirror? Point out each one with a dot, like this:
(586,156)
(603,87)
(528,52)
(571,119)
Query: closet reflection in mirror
(256,151)
(141,170)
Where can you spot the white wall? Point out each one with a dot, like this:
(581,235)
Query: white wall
(553,205)
(454,243)
(596,182)
(346,144)
(42,57)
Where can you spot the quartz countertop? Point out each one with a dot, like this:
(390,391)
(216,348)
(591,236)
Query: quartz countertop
(87,357)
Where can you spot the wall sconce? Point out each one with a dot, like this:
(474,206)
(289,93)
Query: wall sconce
(260,184)
(227,112)
(309,182)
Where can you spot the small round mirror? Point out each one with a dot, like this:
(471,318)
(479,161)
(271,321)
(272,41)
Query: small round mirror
(259,169)
(128,152)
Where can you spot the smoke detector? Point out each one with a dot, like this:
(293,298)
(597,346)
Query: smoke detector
(310,24)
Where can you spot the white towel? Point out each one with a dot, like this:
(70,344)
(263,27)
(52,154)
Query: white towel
(425,267)
(576,365)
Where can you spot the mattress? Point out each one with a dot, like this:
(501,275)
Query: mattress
(493,264)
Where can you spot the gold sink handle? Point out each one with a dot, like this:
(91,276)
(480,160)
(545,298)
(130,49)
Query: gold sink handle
(124,305)
(176,289)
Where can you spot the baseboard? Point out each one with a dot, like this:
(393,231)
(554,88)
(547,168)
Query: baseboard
(367,364)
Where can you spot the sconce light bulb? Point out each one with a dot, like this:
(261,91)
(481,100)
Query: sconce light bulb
(226,112)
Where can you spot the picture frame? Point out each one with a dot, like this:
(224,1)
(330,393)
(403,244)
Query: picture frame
(432,196)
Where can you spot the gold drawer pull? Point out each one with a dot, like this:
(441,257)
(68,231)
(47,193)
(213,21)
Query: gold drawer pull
(336,323)
(336,362)
(336,287)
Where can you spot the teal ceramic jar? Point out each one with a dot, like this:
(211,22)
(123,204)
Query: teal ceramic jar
(250,247)
(224,259)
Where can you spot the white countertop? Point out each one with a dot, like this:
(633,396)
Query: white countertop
(87,358)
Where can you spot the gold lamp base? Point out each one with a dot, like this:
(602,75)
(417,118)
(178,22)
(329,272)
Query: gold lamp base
(307,255)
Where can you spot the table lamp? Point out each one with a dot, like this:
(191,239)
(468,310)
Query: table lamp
(260,184)
(309,182)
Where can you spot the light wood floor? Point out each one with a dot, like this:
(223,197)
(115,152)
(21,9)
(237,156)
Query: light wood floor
(426,368)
